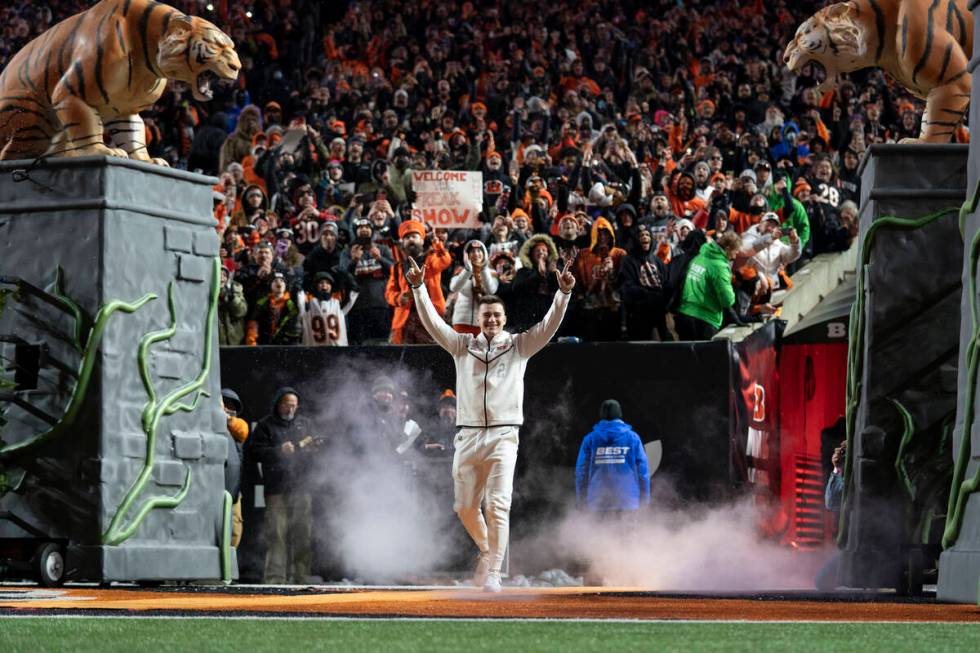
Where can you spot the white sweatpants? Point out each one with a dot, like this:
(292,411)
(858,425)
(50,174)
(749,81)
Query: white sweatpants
(483,472)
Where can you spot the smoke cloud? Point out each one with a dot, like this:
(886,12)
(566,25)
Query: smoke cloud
(388,518)
(384,516)
(700,547)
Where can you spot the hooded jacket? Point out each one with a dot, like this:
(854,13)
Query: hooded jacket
(281,472)
(685,208)
(241,218)
(590,260)
(782,148)
(533,292)
(708,287)
(611,472)
(642,277)
(239,144)
(490,375)
(464,310)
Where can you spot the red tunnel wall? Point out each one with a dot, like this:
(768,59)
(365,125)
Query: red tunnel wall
(812,379)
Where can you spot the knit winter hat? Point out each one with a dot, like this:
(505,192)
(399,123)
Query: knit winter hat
(610,409)
(381,384)
(411,226)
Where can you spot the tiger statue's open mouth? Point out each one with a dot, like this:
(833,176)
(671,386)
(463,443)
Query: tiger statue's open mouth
(202,89)
(830,42)
(198,54)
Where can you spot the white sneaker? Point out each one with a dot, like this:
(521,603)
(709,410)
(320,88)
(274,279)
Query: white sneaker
(493,583)
(482,569)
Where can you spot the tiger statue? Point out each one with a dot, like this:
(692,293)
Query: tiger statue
(85,80)
(926,49)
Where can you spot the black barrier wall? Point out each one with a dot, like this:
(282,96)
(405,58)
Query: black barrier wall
(678,393)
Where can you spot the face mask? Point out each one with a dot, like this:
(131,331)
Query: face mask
(756,210)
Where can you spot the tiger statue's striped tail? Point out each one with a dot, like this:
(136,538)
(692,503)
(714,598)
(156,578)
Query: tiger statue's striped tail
(925,45)
(86,79)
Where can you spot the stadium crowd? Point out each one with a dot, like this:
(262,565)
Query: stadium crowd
(661,146)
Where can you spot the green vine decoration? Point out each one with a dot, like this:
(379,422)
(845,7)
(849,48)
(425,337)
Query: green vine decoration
(227,506)
(85,367)
(156,409)
(855,359)
(57,292)
(961,489)
(907,433)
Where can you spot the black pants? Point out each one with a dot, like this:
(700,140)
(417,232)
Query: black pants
(642,319)
(691,328)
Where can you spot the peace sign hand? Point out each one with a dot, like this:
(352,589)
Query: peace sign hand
(415,274)
(566,280)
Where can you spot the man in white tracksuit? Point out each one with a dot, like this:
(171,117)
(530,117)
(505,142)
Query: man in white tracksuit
(489,412)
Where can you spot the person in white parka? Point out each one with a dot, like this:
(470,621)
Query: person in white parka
(473,281)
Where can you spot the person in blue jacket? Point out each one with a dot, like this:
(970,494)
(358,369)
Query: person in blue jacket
(611,473)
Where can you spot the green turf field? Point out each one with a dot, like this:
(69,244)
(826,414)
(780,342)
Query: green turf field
(238,636)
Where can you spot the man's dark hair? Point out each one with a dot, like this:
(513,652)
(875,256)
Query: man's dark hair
(489,299)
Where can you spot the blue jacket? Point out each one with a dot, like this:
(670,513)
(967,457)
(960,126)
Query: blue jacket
(611,472)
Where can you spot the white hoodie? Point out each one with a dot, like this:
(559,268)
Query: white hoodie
(490,376)
(464,309)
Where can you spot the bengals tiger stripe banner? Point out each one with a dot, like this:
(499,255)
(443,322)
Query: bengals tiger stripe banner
(448,199)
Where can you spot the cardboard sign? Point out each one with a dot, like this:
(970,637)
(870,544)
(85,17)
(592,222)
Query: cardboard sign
(448,199)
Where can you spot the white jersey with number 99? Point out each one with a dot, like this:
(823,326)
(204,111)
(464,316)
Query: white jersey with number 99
(324,322)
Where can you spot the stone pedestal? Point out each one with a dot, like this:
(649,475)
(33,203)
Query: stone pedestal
(903,363)
(115,443)
(959,566)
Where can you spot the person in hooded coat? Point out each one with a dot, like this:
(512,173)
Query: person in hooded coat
(282,443)
(707,292)
(598,269)
(534,284)
(611,474)
(473,281)
(642,279)
(238,144)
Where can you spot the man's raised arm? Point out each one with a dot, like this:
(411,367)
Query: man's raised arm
(534,339)
(441,332)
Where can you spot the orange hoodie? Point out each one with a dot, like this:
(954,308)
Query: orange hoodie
(589,261)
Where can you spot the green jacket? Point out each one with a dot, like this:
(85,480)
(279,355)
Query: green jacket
(708,287)
(793,216)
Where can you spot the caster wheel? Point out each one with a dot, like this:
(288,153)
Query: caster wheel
(50,565)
